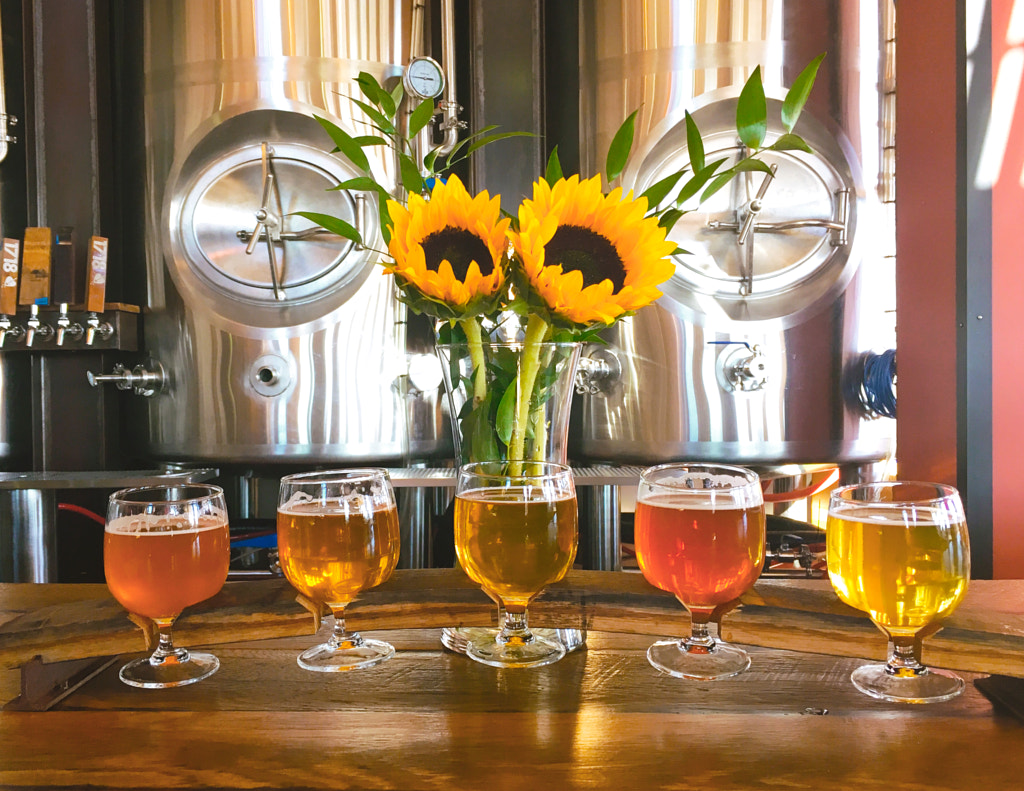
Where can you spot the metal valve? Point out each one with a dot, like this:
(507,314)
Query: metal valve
(94,327)
(597,372)
(65,326)
(745,368)
(34,327)
(141,380)
(9,329)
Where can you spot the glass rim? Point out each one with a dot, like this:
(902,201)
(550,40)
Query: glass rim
(125,495)
(508,344)
(947,491)
(495,468)
(748,474)
(346,475)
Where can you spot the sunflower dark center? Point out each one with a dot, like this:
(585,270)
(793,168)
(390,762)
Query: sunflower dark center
(586,251)
(460,248)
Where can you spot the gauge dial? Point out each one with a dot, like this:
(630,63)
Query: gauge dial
(424,78)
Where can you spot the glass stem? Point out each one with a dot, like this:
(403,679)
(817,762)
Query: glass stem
(340,637)
(515,629)
(903,659)
(165,649)
(700,640)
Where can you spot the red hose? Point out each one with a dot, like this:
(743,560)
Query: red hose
(800,494)
(83,511)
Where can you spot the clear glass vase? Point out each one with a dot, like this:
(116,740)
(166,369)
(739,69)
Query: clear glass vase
(509,401)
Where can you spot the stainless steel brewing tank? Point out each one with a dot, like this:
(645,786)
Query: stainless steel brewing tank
(278,343)
(746,355)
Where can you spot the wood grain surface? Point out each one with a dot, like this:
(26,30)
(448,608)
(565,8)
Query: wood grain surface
(602,718)
(59,622)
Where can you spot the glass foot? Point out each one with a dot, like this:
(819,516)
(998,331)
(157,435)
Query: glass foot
(720,660)
(909,686)
(458,638)
(351,654)
(176,669)
(534,651)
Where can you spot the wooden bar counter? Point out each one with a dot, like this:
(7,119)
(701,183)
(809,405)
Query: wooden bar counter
(431,719)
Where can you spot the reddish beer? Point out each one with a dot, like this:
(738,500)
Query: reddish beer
(158,565)
(704,554)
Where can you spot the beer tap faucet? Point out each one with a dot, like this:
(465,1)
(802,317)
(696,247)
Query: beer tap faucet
(35,327)
(94,327)
(9,329)
(65,326)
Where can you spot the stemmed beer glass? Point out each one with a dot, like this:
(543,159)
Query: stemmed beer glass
(166,548)
(515,533)
(900,552)
(337,535)
(700,534)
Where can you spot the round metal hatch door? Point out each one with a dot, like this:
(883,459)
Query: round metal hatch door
(765,248)
(237,243)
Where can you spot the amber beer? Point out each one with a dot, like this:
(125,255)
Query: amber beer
(905,576)
(513,541)
(705,555)
(330,552)
(157,566)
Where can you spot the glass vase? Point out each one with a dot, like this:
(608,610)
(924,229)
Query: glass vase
(509,401)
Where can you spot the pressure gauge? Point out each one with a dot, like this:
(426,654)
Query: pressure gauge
(424,78)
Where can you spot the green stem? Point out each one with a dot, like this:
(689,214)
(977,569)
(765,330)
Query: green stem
(476,354)
(536,331)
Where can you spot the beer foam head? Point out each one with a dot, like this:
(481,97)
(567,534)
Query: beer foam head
(354,502)
(153,524)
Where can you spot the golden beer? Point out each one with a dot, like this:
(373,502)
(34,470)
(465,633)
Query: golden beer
(332,552)
(157,566)
(513,541)
(904,575)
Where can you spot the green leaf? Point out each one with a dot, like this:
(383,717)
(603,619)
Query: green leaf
(789,142)
(411,178)
(420,117)
(618,151)
(506,412)
(694,144)
(466,140)
(332,224)
(397,93)
(381,122)
(750,164)
(554,168)
(369,140)
(752,112)
(698,180)
(385,216)
(346,144)
(362,184)
(658,191)
(669,218)
(723,179)
(430,159)
(484,141)
(370,87)
(798,92)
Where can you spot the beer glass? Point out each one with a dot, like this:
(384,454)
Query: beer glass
(337,535)
(699,531)
(164,549)
(900,552)
(515,533)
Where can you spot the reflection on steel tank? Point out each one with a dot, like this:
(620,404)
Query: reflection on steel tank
(787,282)
(278,341)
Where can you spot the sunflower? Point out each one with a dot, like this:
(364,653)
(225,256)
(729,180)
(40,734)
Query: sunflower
(590,258)
(449,252)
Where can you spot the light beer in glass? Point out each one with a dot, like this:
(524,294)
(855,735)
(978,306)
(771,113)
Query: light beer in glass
(515,534)
(338,535)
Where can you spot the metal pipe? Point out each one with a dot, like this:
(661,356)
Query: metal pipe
(450,106)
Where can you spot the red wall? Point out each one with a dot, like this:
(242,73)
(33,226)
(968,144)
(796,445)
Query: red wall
(1008,326)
